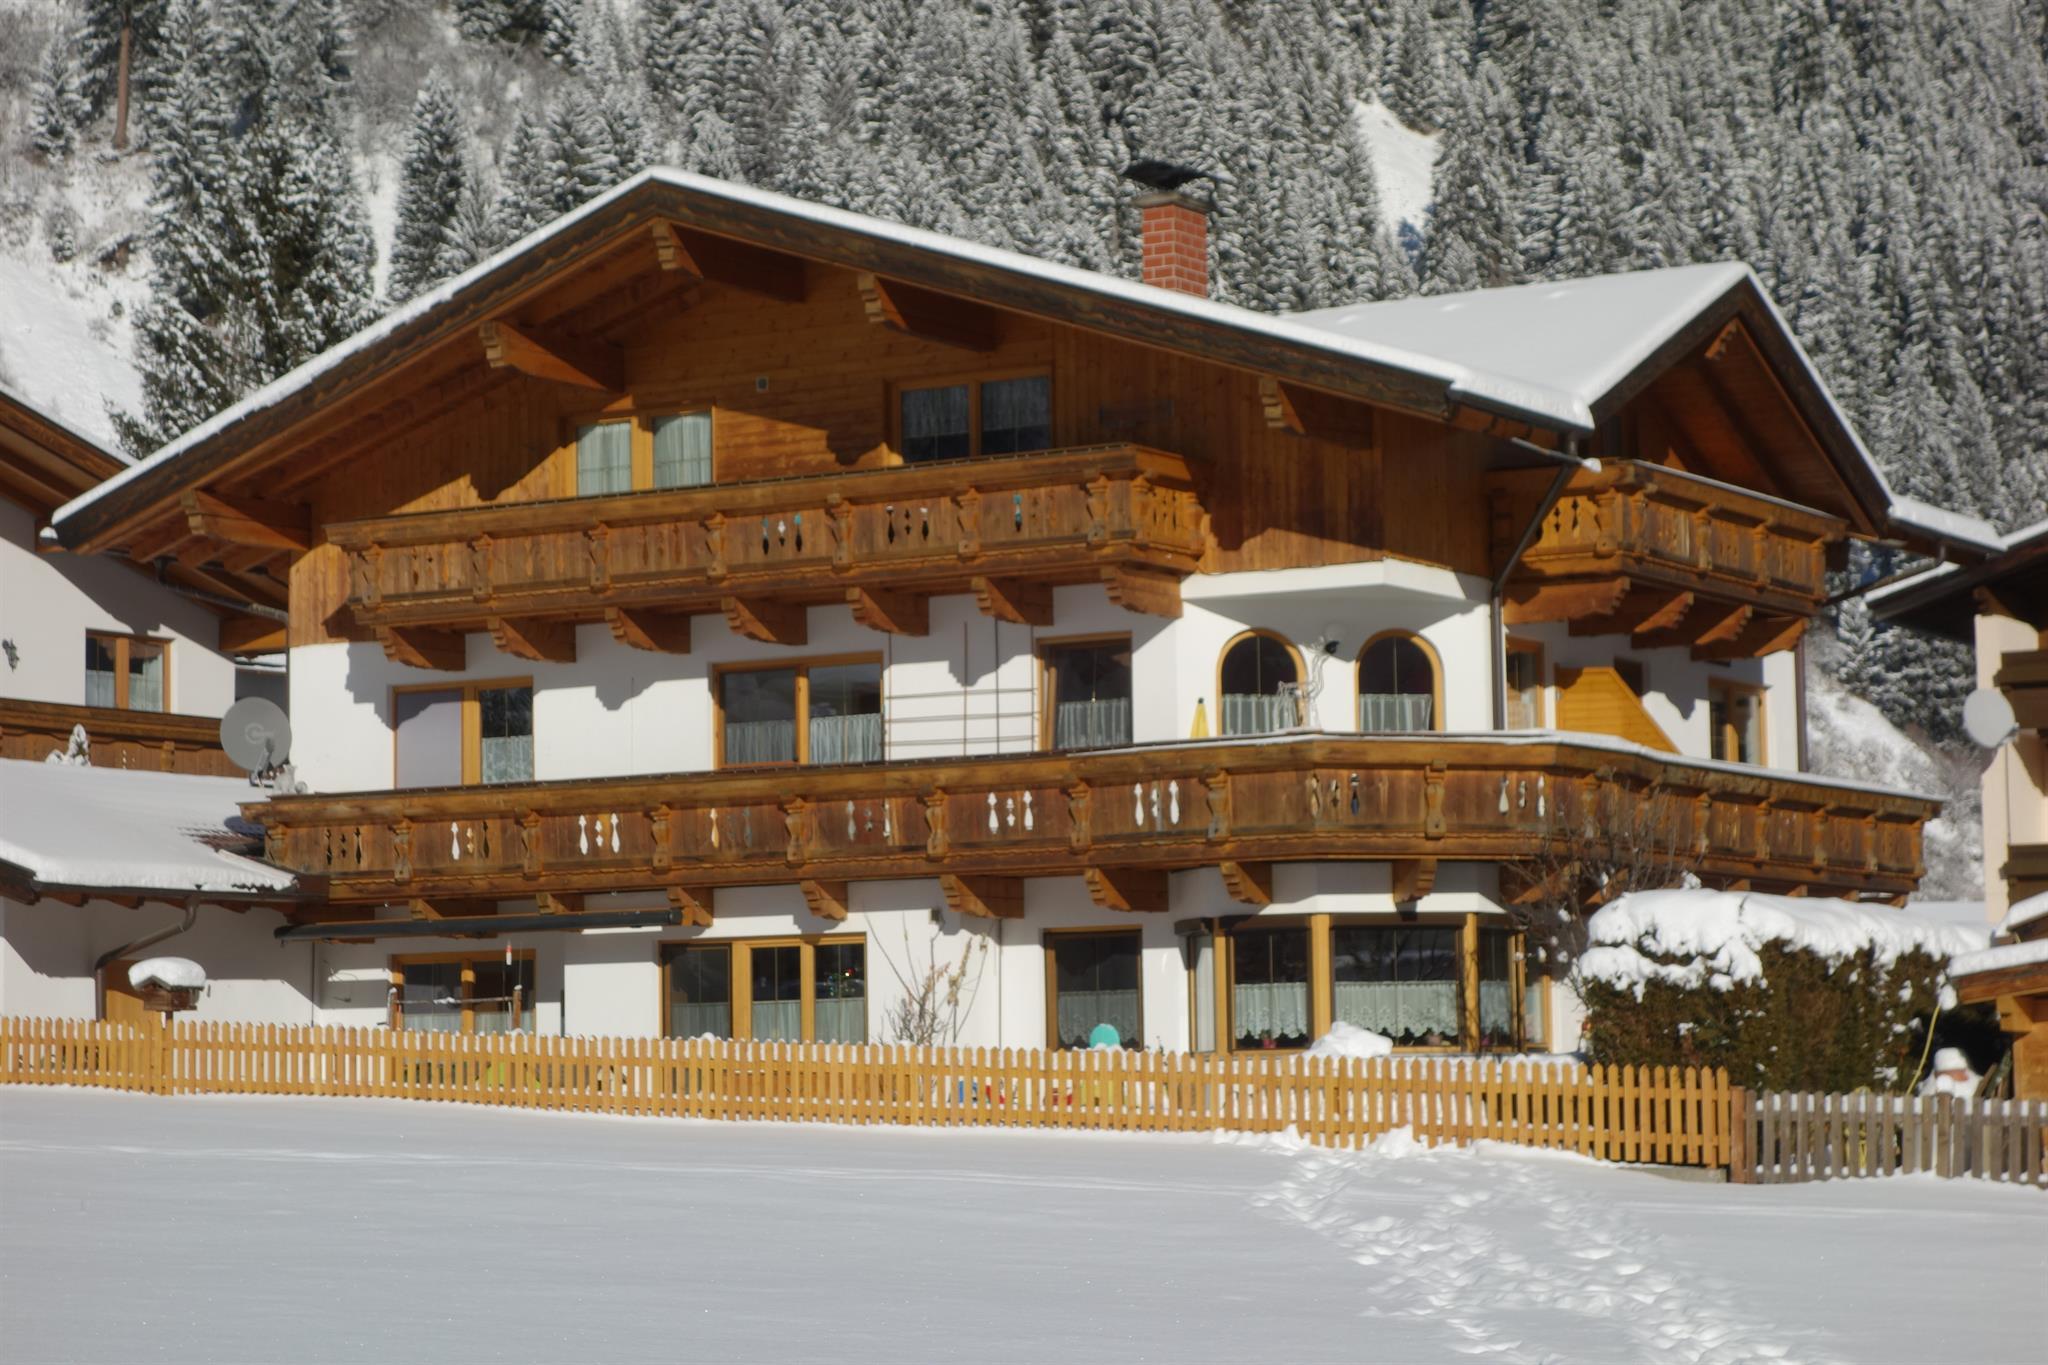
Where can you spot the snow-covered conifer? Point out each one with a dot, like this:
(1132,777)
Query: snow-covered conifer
(430,187)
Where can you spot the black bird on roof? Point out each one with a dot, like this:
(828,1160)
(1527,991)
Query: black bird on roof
(1163,175)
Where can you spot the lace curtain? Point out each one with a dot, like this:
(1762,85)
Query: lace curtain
(145,680)
(760,741)
(843,1021)
(1081,1011)
(508,758)
(682,450)
(1279,1008)
(1496,1010)
(1397,711)
(778,1021)
(1399,1009)
(1254,714)
(697,1019)
(1104,724)
(846,739)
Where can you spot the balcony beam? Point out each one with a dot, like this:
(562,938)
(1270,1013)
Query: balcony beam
(1247,883)
(1644,610)
(558,902)
(826,900)
(984,897)
(1528,603)
(540,641)
(927,315)
(1314,414)
(1136,890)
(693,903)
(893,613)
(767,620)
(1145,591)
(441,651)
(721,260)
(1018,601)
(250,523)
(661,632)
(1412,879)
(1762,635)
(581,364)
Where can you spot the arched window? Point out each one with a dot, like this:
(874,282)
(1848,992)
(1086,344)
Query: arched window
(1397,685)
(1256,668)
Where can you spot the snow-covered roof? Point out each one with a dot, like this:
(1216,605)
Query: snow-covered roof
(1540,353)
(2024,912)
(127,830)
(1945,527)
(1720,934)
(2000,957)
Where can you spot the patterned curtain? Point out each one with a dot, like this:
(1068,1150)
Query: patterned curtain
(778,1021)
(1279,1008)
(604,459)
(1399,1009)
(682,450)
(1257,714)
(844,1020)
(760,741)
(1081,1011)
(1396,711)
(696,1020)
(845,739)
(1103,724)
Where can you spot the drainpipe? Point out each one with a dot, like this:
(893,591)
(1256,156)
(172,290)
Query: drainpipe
(148,940)
(1569,462)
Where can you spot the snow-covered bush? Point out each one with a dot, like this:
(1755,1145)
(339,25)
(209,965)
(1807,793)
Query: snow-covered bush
(60,231)
(1787,993)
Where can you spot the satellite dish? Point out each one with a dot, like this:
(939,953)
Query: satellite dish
(1988,718)
(256,734)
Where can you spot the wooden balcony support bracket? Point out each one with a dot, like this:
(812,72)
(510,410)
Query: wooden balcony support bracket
(694,904)
(1722,624)
(1762,635)
(1018,601)
(1137,890)
(1531,602)
(1247,883)
(927,315)
(443,651)
(661,632)
(1644,611)
(540,641)
(1146,591)
(248,522)
(1414,878)
(1320,416)
(775,623)
(826,900)
(558,902)
(984,897)
(720,260)
(893,613)
(421,908)
(581,364)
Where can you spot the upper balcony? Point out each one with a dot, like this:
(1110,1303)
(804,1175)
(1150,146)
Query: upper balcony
(884,541)
(158,741)
(1121,818)
(1665,556)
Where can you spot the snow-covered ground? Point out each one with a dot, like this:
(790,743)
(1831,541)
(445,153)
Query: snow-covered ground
(1403,166)
(239,1228)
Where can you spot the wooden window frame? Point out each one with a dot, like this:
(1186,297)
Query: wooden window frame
(395,1012)
(1322,970)
(1516,645)
(1048,699)
(973,379)
(640,461)
(472,720)
(803,669)
(1436,675)
(1728,689)
(1300,665)
(1049,940)
(740,982)
(122,648)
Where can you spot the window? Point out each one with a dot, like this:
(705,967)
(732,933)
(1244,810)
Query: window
(604,459)
(983,417)
(126,671)
(682,450)
(1269,998)
(1092,985)
(1088,693)
(810,713)
(1504,1002)
(1397,980)
(463,993)
(463,736)
(1260,685)
(1397,685)
(1735,716)
(783,990)
(1524,686)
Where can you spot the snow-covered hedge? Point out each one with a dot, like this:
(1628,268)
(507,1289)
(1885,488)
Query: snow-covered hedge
(1788,993)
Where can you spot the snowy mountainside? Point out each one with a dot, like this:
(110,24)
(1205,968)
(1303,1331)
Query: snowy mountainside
(1404,164)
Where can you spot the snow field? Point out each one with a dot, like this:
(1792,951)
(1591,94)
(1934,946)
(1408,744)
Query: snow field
(257,1228)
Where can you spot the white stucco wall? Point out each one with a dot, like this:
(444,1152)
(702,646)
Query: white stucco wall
(47,951)
(49,602)
(2015,784)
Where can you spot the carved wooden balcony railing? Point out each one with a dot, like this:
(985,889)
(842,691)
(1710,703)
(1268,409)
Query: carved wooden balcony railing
(1122,818)
(158,741)
(883,540)
(1665,556)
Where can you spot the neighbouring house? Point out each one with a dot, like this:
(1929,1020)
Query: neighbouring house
(145,654)
(720,614)
(2000,604)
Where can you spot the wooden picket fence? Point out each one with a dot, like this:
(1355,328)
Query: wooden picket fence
(1616,1114)
(1778,1138)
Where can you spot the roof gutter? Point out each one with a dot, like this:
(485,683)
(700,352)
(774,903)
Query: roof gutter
(484,925)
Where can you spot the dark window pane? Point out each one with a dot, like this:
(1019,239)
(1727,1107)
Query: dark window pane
(700,992)
(1269,988)
(1498,1008)
(430,998)
(841,993)
(1399,981)
(846,713)
(1095,982)
(429,728)
(99,671)
(1016,414)
(760,715)
(507,720)
(935,424)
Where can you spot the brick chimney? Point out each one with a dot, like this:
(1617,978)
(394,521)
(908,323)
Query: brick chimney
(1176,241)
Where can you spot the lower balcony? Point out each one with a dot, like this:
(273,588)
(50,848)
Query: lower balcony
(882,541)
(1123,819)
(157,741)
